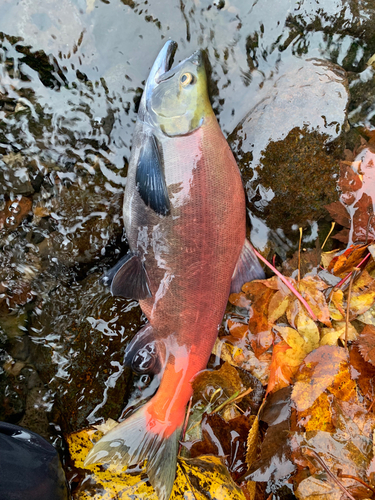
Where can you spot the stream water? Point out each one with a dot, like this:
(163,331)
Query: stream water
(292,85)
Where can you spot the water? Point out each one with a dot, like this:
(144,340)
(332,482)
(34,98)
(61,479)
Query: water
(71,77)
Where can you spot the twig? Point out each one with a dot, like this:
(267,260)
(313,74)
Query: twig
(287,283)
(348,306)
(299,254)
(348,476)
(332,476)
(186,423)
(328,235)
(232,399)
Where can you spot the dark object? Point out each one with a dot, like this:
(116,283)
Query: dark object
(30,468)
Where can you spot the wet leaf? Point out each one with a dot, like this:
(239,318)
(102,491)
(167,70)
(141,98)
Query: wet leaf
(363,294)
(316,374)
(275,457)
(330,336)
(357,183)
(259,324)
(224,439)
(242,356)
(310,287)
(366,344)
(319,415)
(204,478)
(281,372)
(214,387)
(363,373)
(336,305)
(344,263)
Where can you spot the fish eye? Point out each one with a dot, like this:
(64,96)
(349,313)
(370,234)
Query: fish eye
(186,79)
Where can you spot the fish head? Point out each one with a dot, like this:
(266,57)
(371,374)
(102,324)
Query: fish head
(176,99)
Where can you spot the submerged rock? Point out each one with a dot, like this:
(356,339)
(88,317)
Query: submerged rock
(289,145)
(79,336)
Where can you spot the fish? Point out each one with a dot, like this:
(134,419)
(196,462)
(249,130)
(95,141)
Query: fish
(185,220)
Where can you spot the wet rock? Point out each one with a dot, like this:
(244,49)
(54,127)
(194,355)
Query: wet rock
(79,336)
(289,145)
(14,175)
(87,221)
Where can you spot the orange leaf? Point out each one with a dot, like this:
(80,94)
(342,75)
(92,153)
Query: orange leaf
(280,372)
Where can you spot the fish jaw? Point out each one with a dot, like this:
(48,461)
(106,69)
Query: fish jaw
(162,64)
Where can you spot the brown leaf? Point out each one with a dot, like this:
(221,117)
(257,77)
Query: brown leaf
(224,439)
(260,328)
(363,373)
(366,344)
(316,374)
(344,263)
(339,213)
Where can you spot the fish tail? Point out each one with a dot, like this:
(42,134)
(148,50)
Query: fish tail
(140,438)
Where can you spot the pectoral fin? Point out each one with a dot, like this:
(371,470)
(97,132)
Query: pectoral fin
(247,268)
(128,278)
(150,180)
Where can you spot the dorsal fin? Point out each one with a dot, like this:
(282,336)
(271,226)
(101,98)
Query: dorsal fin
(150,180)
(128,278)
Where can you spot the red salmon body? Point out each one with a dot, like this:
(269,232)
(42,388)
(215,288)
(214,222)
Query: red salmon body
(184,215)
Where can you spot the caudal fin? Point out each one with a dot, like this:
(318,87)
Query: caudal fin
(135,440)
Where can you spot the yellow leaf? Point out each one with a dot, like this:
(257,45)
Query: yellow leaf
(204,478)
(331,335)
(308,330)
(200,478)
(316,374)
(251,455)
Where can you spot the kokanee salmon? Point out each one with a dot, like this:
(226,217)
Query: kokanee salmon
(184,215)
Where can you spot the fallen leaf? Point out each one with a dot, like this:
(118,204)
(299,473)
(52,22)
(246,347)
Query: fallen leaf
(201,478)
(259,325)
(281,372)
(275,462)
(366,344)
(224,439)
(316,374)
(330,336)
(344,263)
(242,356)
(363,373)
(362,295)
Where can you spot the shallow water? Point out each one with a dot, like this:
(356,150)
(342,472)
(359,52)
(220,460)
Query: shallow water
(71,77)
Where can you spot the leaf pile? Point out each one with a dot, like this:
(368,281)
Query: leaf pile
(288,409)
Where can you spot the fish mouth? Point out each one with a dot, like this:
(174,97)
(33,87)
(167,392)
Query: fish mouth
(165,59)
(162,65)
